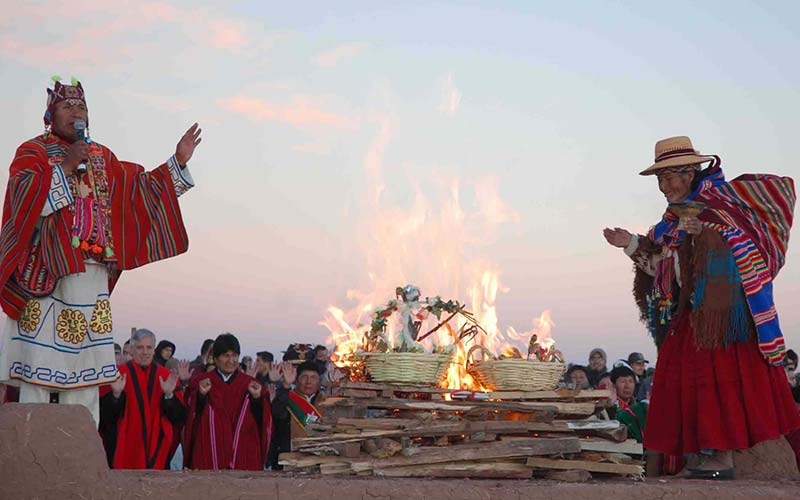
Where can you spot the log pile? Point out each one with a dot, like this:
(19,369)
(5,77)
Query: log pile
(381,430)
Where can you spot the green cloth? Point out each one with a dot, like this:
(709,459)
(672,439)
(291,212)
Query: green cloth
(635,425)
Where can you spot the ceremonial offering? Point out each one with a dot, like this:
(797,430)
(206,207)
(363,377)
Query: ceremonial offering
(686,209)
(511,372)
(396,355)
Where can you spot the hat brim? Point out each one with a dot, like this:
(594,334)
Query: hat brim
(678,161)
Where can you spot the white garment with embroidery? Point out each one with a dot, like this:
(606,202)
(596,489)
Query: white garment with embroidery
(64,340)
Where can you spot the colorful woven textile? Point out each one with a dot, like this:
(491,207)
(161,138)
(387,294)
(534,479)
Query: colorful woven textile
(754,214)
(146,221)
(301,409)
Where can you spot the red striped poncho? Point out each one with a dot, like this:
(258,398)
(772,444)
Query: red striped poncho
(146,222)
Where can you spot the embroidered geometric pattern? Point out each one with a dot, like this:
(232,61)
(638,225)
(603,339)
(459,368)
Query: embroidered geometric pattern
(59,195)
(56,377)
(71,326)
(101,317)
(31,315)
(181,182)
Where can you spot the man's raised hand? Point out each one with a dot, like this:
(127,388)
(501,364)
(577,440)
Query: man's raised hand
(168,384)
(255,389)
(289,374)
(204,386)
(185,148)
(252,369)
(118,386)
(184,372)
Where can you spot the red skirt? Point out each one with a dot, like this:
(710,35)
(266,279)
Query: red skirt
(716,399)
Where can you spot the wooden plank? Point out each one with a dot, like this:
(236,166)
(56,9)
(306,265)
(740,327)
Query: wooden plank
(396,388)
(494,470)
(594,424)
(410,423)
(567,476)
(377,423)
(301,460)
(472,452)
(442,429)
(630,446)
(358,393)
(550,463)
(335,469)
(576,409)
(564,394)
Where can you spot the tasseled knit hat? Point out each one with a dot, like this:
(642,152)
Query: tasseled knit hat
(73,94)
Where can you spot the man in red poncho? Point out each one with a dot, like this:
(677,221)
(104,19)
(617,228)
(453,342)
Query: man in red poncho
(74,218)
(139,409)
(229,422)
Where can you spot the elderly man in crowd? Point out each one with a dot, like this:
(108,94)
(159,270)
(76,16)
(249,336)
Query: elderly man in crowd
(140,408)
(294,405)
(229,424)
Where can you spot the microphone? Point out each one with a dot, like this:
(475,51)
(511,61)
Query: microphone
(80,131)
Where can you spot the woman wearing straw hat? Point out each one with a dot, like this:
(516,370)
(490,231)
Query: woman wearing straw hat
(704,287)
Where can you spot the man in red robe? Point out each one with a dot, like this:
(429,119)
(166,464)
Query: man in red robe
(139,409)
(74,218)
(229,422)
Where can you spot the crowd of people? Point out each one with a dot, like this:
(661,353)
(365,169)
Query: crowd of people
(218,411)
(222,410)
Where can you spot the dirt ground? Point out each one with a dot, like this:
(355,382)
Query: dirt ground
(54,452)
(168,485)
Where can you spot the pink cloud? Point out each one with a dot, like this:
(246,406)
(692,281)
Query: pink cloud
(331,57)
(104,26)
(227,34)
(299,112)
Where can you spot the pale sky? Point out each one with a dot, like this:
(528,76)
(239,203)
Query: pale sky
(306,109)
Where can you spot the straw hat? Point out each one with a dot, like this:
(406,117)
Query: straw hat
(675,152)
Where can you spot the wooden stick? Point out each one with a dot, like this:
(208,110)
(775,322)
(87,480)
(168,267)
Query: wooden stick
(478,451)
(565,394)
(583,409)
(630,447)
(433,430)
(493,470)
(550,463)
(397,388)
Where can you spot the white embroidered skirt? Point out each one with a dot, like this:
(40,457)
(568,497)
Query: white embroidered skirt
(64,340)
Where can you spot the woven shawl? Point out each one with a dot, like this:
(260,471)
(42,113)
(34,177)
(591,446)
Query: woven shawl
(754,214)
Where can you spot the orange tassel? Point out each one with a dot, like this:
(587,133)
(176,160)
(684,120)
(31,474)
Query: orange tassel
(84,245)
(97,249)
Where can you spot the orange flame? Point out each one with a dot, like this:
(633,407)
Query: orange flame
(428,244)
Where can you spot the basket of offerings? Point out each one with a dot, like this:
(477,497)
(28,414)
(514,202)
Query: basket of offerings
(541,370)
(412,368)
(400,357)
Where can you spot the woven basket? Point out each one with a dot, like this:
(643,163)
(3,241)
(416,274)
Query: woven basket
(406,367)
(514,374)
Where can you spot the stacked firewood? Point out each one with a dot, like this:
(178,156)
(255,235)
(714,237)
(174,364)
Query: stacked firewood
(382,430)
